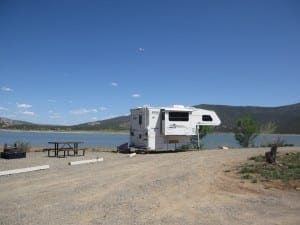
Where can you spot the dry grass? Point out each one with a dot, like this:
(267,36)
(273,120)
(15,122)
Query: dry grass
(191,188)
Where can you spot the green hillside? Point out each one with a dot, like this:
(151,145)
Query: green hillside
(286,118)
(115,124)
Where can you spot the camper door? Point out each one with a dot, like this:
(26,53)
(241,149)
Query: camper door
(177,122)
(138,133)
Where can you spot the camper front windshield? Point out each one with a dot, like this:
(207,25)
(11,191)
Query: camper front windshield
(178,116)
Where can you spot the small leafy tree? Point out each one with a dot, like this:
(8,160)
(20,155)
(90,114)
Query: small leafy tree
(246,131)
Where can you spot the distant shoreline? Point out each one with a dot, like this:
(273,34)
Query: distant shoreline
(64,131)
(112,139)
(108,132)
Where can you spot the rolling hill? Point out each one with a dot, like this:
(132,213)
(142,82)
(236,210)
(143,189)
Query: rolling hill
(115,124)
(286,118)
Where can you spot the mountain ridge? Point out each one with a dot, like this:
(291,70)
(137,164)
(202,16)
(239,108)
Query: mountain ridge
(286,118)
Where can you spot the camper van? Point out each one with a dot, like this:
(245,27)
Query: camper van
(162,128)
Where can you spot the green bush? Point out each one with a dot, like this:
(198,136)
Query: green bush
(246,131)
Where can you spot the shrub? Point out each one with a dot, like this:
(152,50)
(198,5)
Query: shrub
(246,131)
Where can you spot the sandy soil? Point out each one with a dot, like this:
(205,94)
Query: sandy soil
(169,188)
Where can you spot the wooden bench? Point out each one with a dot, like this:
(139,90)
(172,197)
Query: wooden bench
(66,151)
(73,151)
(76,152)
(83,151)
(49,150)
(54,153)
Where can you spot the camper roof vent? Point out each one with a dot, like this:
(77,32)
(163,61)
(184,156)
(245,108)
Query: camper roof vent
(178,106)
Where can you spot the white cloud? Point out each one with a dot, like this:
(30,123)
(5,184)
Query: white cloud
(27,113)
(141,49)
(23,109)
(51,100)
(53,115)
(24,106)
(83,111)
(3,109)
(114,84)
(6,89)
(102,108)
(135,95)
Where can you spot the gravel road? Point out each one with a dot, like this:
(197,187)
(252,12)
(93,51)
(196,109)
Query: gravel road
(169,188)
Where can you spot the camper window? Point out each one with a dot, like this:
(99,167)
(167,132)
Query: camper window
(206,118)
(178,116)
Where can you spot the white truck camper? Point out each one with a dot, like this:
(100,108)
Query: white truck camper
(155,128)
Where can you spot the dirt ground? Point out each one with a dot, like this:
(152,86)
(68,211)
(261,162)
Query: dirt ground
(199,187)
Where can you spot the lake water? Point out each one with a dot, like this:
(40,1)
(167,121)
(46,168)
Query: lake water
(211,141)
(215,140)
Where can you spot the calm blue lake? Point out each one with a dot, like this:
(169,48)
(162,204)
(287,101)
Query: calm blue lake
(213,140)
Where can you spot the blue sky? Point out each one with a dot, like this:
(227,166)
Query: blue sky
(69,62)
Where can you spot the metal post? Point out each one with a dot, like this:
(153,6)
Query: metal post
(198,138)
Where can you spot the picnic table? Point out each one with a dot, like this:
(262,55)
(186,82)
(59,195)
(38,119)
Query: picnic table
(65,147)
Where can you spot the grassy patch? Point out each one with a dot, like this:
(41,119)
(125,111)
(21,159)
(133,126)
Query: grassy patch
(287,168)
(254,180)
(246,177)
(259,158)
